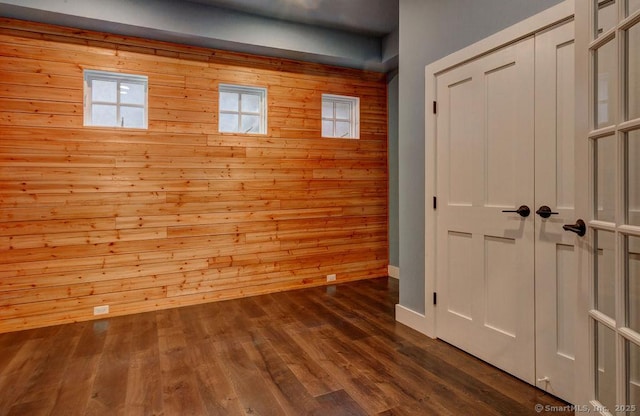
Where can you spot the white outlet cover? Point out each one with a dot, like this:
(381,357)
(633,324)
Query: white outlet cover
(101,310)
(331,277)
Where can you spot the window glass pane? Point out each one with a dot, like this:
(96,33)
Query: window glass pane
(338,116)
(132,117)
(249,106)
(327,128)
(250,124)
(343,129)
(132,93)
(250,103)
(605,366)
(606,17)
(104,91)
(632,6)
(605,154)
(228,123)
(633,72)
(633,284)
(633,378)
(605,58)
(115,99)
(343,111)
(605,273)
(103,115)
(327,109)
(633,177)
(229,101)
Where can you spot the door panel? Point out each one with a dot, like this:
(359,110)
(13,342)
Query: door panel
(501,288)
(485,144)
(509,283)
(461,275)
(460,128)
(501,104)
(556,275)
(566,302)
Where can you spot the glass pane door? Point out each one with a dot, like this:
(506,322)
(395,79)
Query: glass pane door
(615,226)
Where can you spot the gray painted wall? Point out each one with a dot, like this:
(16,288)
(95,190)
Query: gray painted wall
(429,30)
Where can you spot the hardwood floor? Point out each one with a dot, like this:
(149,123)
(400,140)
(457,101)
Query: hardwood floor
(321,351)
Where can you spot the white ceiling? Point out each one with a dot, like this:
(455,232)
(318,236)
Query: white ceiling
(370,17)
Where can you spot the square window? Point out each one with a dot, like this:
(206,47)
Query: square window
(115,100)
(340,116)
(242,109)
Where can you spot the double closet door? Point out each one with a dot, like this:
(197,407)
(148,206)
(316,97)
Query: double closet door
(507,263)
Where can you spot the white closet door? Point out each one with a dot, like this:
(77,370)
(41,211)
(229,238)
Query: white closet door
(485,266)
(556,250)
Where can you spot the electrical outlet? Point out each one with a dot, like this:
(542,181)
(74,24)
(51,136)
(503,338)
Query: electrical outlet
(331,277)
(101,310)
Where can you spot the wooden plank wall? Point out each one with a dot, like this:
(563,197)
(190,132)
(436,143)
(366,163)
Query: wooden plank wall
(177,214)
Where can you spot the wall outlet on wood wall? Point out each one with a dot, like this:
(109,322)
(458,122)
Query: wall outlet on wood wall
(331,277)
(101,310)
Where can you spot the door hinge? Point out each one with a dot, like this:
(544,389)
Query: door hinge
(435,107)
(435,202)
(435,298)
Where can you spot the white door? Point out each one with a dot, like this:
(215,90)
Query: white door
(485,147)
(556,253)
(507,281)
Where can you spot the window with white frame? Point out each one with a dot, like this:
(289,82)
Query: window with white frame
(112,99)
(242,109)
(340,116)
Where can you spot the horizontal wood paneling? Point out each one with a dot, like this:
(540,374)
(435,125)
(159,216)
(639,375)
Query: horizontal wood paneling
(176,214)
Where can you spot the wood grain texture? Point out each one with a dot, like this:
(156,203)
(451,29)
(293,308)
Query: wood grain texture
(334,350)
(177,214)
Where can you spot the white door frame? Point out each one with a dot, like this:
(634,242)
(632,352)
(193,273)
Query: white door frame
(584,356)
(550,17)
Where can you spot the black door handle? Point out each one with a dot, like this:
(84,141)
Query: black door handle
(579,228)
(522,210)
(545,212)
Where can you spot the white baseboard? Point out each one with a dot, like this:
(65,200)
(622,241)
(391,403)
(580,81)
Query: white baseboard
(394,272)
(413,320)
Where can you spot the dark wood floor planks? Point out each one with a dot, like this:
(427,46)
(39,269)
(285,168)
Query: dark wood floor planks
(335,350)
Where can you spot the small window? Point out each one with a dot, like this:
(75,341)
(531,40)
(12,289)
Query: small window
(242,109)
(112,99)
(340,116)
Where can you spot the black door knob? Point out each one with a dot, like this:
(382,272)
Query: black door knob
(545,212)
(579,228)
(522,210)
